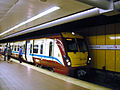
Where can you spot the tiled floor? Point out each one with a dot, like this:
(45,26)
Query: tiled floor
(15,76)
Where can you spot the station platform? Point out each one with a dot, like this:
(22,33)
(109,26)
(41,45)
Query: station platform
(23,76)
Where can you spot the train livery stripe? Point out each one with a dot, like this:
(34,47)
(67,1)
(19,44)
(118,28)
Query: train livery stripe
(16,52)
(105,47)
(50,57)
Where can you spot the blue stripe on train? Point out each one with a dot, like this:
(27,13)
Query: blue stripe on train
(47,57)
(16,52)
(50,57)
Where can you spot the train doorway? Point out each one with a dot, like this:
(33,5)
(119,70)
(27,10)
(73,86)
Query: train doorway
(29,51)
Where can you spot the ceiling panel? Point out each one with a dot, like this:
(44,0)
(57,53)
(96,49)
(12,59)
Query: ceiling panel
(25,9)
(5,6)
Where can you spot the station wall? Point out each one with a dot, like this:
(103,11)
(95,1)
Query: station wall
(104,46)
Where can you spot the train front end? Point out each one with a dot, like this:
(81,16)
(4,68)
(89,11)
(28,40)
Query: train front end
(76,58)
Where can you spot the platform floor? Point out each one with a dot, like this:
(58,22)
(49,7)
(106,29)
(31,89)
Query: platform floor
(22,76)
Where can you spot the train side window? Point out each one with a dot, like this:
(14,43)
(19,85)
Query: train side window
(30,48)
(15,48)
(41,49)
(18,48)
(35,49)
(12,47)
(50,49)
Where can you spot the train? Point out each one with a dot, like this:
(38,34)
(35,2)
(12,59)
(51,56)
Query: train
(65,53)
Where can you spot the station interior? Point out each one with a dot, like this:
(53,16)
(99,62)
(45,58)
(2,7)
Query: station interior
(32,22)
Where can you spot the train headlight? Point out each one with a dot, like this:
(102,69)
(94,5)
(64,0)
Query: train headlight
(90,59)
(73,33)
(88,62)
(68,63)
(67,60)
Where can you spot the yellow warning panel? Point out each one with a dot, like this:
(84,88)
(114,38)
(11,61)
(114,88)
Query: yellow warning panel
(110,54)
(78,58)
(100,52)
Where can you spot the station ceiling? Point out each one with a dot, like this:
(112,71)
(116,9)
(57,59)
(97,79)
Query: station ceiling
(15,12)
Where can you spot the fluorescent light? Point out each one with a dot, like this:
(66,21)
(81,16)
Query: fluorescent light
(77,16)
(33,18)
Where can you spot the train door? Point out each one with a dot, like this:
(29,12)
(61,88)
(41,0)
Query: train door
(24,48)
(51,50)
(29,45)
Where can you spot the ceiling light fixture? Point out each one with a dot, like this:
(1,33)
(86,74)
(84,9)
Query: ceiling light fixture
(77,16)
(33,18)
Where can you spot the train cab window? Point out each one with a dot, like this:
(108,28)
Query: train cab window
(41,49)
(82,45)
(71,45)
(35,49)
(50,49)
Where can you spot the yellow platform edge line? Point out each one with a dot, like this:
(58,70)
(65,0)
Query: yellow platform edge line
(77,82)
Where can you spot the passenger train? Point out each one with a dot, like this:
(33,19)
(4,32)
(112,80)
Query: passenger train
(65,53)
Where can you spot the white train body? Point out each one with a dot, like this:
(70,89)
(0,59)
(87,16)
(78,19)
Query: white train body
(51,51)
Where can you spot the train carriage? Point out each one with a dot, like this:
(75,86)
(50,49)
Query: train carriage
(65,53)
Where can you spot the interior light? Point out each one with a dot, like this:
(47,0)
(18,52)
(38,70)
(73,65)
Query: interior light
(33,18)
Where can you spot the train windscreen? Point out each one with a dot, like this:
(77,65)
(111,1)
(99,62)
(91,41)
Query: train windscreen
(71,45)
(82,45)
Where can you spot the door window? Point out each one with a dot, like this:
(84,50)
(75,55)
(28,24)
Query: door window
(50,49)
(41,49)
(35,49)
